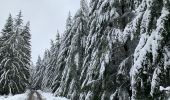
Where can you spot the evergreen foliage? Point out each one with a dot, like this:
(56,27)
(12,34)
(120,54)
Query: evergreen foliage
(112,50)
(15,56)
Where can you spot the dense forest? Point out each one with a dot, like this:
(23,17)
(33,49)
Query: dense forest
(110,50)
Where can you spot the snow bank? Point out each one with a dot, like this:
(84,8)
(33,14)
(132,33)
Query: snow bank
(15,97)
(45,96)
(50,96)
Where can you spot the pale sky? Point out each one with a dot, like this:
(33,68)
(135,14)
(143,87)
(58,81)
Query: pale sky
(45,16)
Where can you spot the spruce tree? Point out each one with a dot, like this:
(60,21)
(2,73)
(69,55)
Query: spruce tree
(15,73)
(62,57)
(51,66)
(69,85)
(26,37)
(18,21)
(39,70)
(6,34)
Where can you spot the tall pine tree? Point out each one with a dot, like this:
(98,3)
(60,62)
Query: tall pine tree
(14,71)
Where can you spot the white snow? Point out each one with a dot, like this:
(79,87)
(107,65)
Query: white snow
(155,80)
(131,28)
(164,89)
(89,95)
(24,96)
(50,96)
(122,66)
(113,95)
(102,69)
(16,97)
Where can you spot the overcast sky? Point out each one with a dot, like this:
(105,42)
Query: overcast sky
(45,16)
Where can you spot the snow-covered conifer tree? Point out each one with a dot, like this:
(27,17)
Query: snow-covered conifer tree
(14,72)
(52,63)
(70,83)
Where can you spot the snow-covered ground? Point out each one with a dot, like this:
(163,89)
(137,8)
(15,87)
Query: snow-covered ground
(45,96)
(16,97)
(50,96)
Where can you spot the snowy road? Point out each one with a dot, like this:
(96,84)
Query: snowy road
(34,95)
